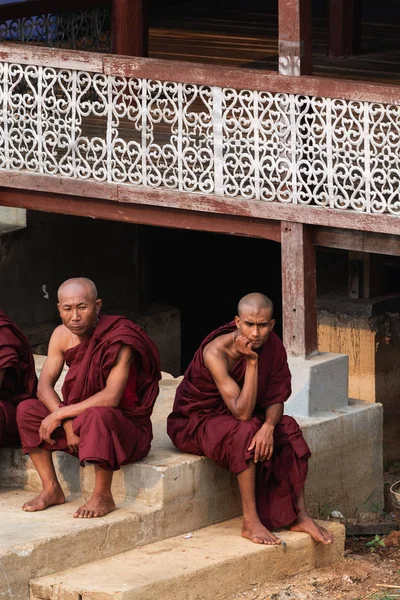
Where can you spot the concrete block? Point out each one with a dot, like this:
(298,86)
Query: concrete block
(214,563)
(346,467)
(318,383)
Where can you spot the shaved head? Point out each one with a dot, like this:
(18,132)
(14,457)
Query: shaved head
(78,282)
(255,302)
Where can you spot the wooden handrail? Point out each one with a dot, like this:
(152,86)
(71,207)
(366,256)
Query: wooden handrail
(200,74)
(20,10)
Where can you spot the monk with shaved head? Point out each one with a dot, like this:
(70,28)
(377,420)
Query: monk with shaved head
(103,417)
(229,407)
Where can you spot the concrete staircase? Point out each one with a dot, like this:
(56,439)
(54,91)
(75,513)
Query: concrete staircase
(126,554)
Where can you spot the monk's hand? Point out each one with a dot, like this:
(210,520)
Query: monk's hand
(72,439)
(263,443)
(48,425)
(245,348)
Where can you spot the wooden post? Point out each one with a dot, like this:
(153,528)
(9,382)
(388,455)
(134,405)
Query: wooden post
(130,27)
(298,290)
(295,37)
(344,27)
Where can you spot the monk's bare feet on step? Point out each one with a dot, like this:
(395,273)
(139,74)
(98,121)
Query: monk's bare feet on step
(97,506)
(306,524)
(257,533)
(47,497)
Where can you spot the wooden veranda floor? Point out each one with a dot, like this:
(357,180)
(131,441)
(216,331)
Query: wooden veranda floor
(244,33)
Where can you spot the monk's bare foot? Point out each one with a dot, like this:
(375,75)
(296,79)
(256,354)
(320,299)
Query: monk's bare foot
(97,506)
(257,533)
(306,524)
(47,497)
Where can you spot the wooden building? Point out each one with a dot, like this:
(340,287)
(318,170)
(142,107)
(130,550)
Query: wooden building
(223,135)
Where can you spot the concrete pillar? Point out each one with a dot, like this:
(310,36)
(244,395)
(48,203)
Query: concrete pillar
(129,27)
(295,37)
(369,332)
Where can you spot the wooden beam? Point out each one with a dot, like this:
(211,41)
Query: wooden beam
(254,209)
(157,216)
(298,290)
(200,74)
(130,27)
(295,37)
(359,241)
(344,27)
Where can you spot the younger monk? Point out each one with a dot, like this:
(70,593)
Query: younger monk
(229,407)
(17,377)
(108,397)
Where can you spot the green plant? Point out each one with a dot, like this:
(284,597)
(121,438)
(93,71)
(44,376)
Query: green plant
(375,543)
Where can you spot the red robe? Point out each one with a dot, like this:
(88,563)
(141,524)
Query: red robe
(19,380)
(109,437)
(201,423)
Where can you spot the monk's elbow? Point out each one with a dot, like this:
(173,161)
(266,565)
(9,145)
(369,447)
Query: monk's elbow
(244,417)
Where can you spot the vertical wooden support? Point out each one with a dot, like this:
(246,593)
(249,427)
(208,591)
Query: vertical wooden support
(295,37)
(298,290)
(344,27)
(130,27)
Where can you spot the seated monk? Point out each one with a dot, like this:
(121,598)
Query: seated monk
(18,379)
(108,397)
(229,407)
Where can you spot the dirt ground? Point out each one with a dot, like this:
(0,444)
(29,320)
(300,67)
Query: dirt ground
(364,574)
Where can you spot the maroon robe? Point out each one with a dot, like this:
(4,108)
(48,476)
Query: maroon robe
(19,380)
(201,423)
(109,437)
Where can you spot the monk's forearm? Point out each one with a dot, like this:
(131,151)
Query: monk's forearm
(247,398)
(102,398)
(273,414)
(49,397)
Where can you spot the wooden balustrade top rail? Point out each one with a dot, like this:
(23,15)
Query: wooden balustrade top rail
(199,74)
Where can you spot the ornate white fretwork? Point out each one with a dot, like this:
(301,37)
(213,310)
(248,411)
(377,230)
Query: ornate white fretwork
(80,30)
(234,143)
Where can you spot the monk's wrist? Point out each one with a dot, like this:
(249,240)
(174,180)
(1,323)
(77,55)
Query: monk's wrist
(268,425)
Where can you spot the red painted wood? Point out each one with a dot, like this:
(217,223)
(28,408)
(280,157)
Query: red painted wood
(130,27)
(162,198)
(201,74)
(295,33)
(344,27)
(141,214)
(298,289)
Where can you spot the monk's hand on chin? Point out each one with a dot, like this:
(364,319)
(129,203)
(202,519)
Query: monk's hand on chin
(48,425)
(72,439)
(263,443)
(244,346)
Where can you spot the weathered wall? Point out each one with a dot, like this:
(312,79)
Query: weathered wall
(55,247)
(369,332)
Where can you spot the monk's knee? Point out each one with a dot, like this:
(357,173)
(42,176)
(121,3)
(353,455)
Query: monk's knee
(25,410)
(249,428)
(99,414)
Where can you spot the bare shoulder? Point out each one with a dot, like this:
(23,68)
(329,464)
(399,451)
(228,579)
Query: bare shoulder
(215,353)
(61,339)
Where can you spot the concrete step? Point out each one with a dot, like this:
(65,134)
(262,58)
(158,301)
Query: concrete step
(214,563)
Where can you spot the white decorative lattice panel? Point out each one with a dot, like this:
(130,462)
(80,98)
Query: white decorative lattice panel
(203,139)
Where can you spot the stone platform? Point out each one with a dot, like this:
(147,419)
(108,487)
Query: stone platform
(170,493)
(214,563)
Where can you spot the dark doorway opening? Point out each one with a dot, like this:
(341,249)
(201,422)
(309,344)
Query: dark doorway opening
(205,274)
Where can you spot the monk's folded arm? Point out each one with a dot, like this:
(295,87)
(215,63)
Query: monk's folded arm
(241,402)
(111,395)
(273,414)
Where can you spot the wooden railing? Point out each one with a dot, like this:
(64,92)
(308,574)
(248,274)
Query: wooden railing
(224,133)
